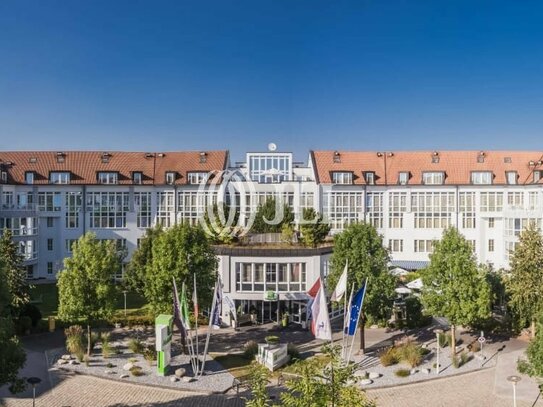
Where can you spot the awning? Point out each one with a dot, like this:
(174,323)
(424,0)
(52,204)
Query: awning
(409,264)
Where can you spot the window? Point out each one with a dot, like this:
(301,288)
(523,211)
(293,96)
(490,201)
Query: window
(491,223)
(4,176)
(511,177)
(50,244)
(49,268)
(395,245)
(433,178)
(467,209)
(369,177)
(424,246)
(59,177)
(283,277)
(507,160)
(137,177)
(192,205)
(73,207)
(481,177)
(432,210)
(165,208)
(70,245)
(491,201)
(49,201)
(29,177)
(142,205)
(515,200)
(491,245)
(397,206)
(270,167)
(342,208)
(403,178)
(107,209)
(197,177)
(342,177)
(374,209)
(106,178)
(170,177)
(50,221)
(537,176)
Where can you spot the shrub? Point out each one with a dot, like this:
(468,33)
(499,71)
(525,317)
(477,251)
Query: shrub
(293,351)
(402,372)
(136,371)
(33,312)
(524,367)
(135,345)
(455,362)
(411,354)
(75,341)
(107,349)
(464,358)
(149,354)
(110,365)
(475,346)
(24,324)
(415,316)
(444,340)
(250,349)
(388,357)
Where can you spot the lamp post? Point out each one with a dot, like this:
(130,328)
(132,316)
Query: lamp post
(514,379)
(125,292)
(438,333)
(34,381)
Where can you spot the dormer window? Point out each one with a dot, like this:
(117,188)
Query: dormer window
(197,177)
(170,177)
(403,177)
(433,178)
(511,177)
(537,176)
(481,177)
(342,177)
(369,177)
(137,177)
(59,177)
(108,178)
(29,177)
(4,176)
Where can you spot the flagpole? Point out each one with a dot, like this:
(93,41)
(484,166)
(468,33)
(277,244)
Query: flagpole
(213,304)
(196,323)
(358,319)
(189,336)
(346,323)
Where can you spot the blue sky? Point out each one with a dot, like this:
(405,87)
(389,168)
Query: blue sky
(174,75)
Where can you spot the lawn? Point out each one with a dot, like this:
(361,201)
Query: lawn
(236,364)
(45,297)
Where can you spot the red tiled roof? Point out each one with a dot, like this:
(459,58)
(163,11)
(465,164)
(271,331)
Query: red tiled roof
(84,165)
(457,165)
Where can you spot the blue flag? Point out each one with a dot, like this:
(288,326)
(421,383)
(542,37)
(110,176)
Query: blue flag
(217,311)
(356,306)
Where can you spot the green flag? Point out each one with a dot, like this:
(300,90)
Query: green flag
(185,308)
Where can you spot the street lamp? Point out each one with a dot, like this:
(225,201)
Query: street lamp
(514,379)
(438,333)
(34,381)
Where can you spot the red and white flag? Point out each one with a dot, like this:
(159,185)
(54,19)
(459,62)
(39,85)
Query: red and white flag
(341,286)
(320,320)
(195,300)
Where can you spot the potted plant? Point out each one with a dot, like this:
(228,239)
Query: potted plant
(272,340)
(284,320)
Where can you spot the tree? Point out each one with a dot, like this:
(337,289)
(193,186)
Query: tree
(525,285)
(135,273)
(258,379)
(12,355)
(453,286)
(220,222)
(534,365)
(312,227)
(15,272)
(362,247)
(180,252)
(271,216)
(322,386)
(85,286)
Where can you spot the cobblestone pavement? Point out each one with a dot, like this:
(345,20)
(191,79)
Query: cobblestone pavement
(471,389)
(85,391)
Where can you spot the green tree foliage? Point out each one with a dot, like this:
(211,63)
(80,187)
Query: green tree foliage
(525,283)
(271,216)
(312,227)
(15,272)
(454,287)
(85,286)
(322,386)
(258,381)
(12,355)
(362,247)
(221,223)
(134,276)
(180,252)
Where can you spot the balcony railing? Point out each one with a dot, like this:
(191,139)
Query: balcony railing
(18,207)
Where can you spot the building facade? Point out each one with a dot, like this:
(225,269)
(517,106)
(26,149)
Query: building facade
(49,199)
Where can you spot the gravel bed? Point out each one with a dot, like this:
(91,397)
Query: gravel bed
(371,364)
(216,379)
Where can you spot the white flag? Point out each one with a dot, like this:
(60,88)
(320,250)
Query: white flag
(341,286)
(320,320)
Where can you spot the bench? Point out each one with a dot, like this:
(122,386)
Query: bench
(242,381)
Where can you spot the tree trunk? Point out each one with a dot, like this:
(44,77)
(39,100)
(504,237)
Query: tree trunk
(88,341)
(453,341)
(362,335)
(533,329)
